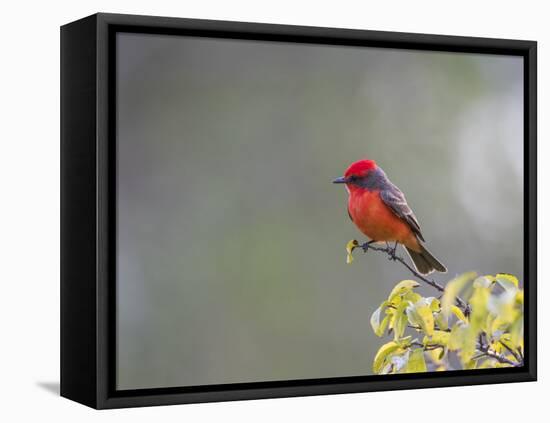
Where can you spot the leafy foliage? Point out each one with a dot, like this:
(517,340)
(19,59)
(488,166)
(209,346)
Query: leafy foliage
(476,323)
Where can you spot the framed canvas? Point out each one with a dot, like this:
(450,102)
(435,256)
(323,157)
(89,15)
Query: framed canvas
(256,211)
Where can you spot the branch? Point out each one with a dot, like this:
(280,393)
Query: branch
(429,347)
(516,355)
(392,256)
(500,358)
(419,329)
(434,347)
(484,350)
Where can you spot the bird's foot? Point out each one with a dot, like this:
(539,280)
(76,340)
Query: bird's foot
(392,252)
(366,245)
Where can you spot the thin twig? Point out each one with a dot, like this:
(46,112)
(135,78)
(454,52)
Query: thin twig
(485,352)
(484,349)
(429,347)
(511,351)
(502,359)
(419,329)
(391,253)
(520,352)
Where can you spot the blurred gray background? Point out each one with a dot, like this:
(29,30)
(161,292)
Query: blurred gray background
(231,237)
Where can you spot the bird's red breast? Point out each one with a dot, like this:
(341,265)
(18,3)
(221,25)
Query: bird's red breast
(375,219)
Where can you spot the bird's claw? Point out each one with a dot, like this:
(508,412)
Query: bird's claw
(366,245)
(392,252)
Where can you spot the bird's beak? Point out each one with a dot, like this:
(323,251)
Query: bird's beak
(340,180)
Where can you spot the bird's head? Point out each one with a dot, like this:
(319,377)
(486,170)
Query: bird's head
(357,174)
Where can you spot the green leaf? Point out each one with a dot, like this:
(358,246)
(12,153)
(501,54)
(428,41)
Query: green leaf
(453,289)
(401,320)
(411,296)
(441,321)
(479,302)
(456,337)
(416,363)
(519,297)
(383,326)
(438,338)
(506,278)
(516,332)
(402,288)
(470,336)
(508,282)
(426,319)
(435,304)
(503,305)
(436,355)
(459,314)
(379,325)
(382,354)
(420,314)
(350,246)
(405,342)
(483,281)
(470,364)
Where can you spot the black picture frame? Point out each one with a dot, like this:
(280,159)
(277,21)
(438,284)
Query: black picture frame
(88,205)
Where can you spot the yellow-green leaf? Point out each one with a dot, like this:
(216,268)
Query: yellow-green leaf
(470,336)
(516,332)
(379,325)
(416,363)
(384,351)
(401,320)
(436,355)
(483,281)
(519,297)
(405,342)
(383,326)
(456,338)
(435,304)
(441,321)
(439,337)
(501,277)
(402,288)
(453,289)
(470,364)
(410,296)
(426,319)
(503,305)
(459,314)
(350,246)
(420,314)
(479,302)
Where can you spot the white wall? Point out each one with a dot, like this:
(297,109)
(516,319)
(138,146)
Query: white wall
(30,213)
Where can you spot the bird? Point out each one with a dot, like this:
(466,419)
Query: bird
(380,211)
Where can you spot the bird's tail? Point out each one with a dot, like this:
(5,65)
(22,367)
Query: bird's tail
(424,261)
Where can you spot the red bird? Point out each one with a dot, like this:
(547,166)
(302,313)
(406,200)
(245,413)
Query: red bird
(379,209)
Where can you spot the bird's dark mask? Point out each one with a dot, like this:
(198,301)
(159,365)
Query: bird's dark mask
(370,179)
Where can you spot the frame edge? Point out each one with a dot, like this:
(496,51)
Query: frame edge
(78,212)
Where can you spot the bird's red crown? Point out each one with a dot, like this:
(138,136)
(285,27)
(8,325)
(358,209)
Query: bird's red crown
(360,168)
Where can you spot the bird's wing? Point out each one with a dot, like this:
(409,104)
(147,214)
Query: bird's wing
(395,200)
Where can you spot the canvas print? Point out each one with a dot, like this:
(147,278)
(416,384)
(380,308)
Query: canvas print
(290,211)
